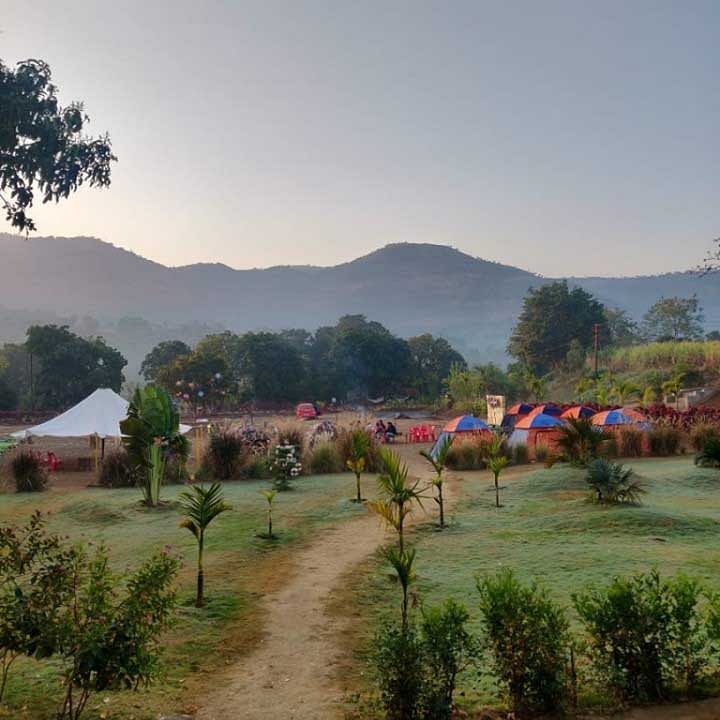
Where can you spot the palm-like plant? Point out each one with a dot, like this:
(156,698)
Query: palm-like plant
(496,462)
(269,495)
(613,483)
(623,391)
(359,449)
(579,440)
(201,506)
(403,562)
(673,386)
(398,494)
(709,456)
(438,465)
(150,431)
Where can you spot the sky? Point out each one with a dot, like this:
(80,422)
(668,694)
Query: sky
(565,137)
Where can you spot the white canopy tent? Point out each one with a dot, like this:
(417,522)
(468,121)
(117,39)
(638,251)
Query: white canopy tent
(99,414)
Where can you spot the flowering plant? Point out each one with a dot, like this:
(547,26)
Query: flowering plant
(284,465)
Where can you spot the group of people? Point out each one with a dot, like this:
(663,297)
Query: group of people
(385,432)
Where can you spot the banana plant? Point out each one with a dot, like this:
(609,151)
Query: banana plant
(150,431)
(438,465)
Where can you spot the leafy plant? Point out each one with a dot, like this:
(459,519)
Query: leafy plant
(150,430)
(465,454)
(28,472)
(645,633)
(438,465)
(269,495)
(448,649)
(324,459)
(527,637)
(579,440)
(520,454)
(116,470)
(496,463)
(701,432)
(709,456)
(664,440)
(631,442)
(398,494)
(359,448)
(613,483)
(403,562)
(200,507)
(285,466)
(225,455)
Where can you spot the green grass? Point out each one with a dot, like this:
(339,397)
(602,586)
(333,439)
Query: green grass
(240,567)
(549,531)
(699,355)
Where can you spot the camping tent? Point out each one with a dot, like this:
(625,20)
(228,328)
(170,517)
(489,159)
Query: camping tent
(534,430)
(578,411)
(514,413)
(547,409)
(99,414)
(613,418)
(464,424)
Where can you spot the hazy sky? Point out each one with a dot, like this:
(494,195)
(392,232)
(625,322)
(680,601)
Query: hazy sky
(565,137)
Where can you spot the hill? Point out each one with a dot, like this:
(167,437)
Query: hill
(411,288)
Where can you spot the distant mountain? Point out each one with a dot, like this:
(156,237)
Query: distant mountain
(411,288)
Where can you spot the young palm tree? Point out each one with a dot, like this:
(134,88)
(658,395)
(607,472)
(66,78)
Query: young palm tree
(496,462)
(624,390)
(359,449)
(438,464)
(579,440)
(269,495)
(398,494)
(403,562)
(200,507)
(673,386)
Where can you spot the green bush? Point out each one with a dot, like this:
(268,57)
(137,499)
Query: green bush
(258,468)
(520,454)
(28,472)
(631,442)
(116,471)
(175,471)
(373,462)
(292,435)
(542,452)
(612,483)
(225,456)
(709,456)
(466,455)
(528,639)
(448,648)
(664,440)
(397,658)
(645,634)
(325,459)
(701,433)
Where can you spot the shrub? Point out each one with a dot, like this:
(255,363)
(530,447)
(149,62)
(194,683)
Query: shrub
(448,649)
(258,468)
(176,471)
(631,442)
(117,471)
(325,459)
(292,435)
(373,463)
(664,440)
(579,441)
(701,433)
(225,456)
(542,452)
(709,456)
(613,483)
(397,657)
(284,466)
(644,634)
(466,455)
(527,636)
(28,472)
(520,454)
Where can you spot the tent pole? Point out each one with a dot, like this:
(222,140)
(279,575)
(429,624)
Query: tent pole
(102,449)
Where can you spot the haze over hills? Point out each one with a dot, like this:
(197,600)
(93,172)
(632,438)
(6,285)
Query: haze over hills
(411,288)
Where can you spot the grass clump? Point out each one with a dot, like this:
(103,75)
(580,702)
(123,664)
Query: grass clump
(664,440)
(324,459)
(28,472)
(116,470)
(630,442)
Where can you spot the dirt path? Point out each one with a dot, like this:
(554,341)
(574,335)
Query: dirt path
(290,675)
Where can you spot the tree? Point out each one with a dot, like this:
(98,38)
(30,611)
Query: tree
(150,432)
(438,465)
(201,506)
(43,147)
(674,318)
(403,562)
(69,367)
(552,316)
(496,463)
(623,390)
(620,328)
(359,449)
(161,355)
(431,360)
(398,492)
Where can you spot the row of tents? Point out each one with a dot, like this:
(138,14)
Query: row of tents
(537,425)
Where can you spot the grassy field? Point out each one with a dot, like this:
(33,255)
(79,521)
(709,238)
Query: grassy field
(240,567)
(549,531)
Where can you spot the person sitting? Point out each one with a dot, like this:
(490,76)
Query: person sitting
(380,430)
(391,432)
